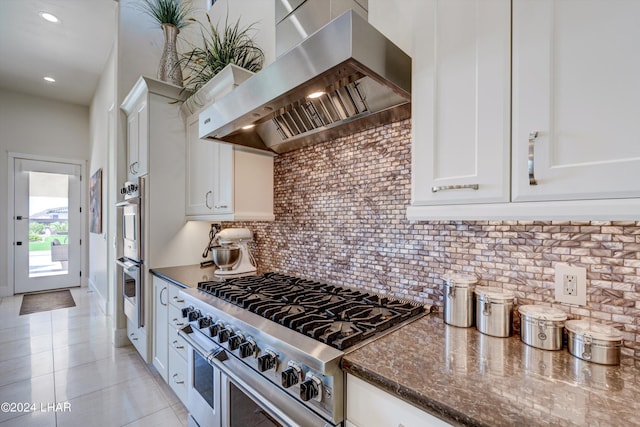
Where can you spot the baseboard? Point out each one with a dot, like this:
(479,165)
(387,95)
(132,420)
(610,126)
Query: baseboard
(102,301)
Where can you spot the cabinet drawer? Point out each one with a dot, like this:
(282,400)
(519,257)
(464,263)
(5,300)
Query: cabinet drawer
(178,375)
(138,338)
(177,343)
(174,297)
(176,321)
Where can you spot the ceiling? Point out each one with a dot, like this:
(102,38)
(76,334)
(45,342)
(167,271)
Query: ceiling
(74,51)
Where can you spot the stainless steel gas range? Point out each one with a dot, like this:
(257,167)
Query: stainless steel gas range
(266,350)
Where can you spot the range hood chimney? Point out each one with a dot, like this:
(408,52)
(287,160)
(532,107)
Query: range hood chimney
(343,78)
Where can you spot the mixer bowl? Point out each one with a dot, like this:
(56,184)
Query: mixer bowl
(225,257)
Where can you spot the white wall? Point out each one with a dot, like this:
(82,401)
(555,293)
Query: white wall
(102,133)
(41,127)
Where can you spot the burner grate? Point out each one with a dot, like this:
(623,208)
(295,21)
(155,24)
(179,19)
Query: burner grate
(340,317)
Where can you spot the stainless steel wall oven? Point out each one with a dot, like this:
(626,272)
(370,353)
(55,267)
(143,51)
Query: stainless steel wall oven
(131,263)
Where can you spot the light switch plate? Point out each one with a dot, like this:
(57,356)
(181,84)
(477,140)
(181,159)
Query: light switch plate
(571,284)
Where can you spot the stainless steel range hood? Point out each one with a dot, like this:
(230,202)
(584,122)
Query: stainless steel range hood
(365,80)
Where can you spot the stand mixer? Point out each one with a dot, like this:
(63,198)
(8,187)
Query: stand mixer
(230,239)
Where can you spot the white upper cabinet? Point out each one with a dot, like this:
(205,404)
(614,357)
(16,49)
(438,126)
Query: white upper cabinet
(576,68)
(461,102)
(572,116)
(138,140)
(226,182)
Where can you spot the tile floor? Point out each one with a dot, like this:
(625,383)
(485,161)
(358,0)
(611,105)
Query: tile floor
(66,357)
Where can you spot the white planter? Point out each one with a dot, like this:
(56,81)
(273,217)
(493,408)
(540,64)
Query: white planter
(220,85)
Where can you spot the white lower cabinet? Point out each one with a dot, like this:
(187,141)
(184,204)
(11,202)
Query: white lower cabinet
(137,336)
(369,406)
(169,349)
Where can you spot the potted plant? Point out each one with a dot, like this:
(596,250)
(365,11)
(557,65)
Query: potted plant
(229,54)
(172,15)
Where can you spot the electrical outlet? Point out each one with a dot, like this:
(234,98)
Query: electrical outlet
(571,284)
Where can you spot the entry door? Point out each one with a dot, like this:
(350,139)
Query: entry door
(47,225)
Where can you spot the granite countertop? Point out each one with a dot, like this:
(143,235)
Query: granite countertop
(186,276)
(468,378)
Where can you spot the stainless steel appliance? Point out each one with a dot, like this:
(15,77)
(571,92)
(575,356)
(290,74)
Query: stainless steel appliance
(275,342)
(345,77)
(131,263)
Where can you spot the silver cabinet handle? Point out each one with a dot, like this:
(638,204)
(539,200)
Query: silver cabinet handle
(176,346)
(175,321)
(206,199)
(133,168)
(177,381)
(455,187)
(176,299)
(531,159)
(221,206)
(133,336)
(161,292)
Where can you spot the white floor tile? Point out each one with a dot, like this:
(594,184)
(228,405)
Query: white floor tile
(163,418)
(114,406)
(79,354)
(94,376)
(25,346)
(36,419)
(35,391)
(24,368)
(22,331)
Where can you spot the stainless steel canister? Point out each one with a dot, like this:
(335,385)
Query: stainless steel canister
(541,326)
(594,342)
(458,299)
(494,308)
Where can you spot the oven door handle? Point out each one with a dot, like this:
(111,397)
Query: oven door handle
(128,266)
(216,359)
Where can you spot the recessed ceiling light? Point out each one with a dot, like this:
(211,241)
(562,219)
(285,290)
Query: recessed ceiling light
(248,126)
(317,94)
(50,79)
(49,17)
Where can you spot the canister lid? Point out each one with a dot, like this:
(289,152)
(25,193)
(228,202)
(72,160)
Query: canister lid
(494,294)
(595,330)
(460,280)
(542,312)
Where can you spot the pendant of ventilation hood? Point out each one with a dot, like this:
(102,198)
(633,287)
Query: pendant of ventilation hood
(359,77)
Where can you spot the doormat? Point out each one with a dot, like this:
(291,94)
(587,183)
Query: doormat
(46,301)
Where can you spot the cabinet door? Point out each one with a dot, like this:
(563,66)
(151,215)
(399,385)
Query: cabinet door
(200,171)
(575,99)
(138,141)
(160,327)
(461,102)
(223,178)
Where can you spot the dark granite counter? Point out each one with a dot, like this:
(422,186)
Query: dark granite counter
(186,276)
(468,378)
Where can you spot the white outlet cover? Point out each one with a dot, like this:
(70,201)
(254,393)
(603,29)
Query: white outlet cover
(581,274)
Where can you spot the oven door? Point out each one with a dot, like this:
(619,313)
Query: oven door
(132,290)
(245,395)
(203,390)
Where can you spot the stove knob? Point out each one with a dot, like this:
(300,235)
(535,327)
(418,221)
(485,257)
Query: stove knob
(214,329)
(291,375)
(187,310)
(224,334)
(193,315)
(247,348)
(267,361)
(235,341)
(311,388)
(205,322)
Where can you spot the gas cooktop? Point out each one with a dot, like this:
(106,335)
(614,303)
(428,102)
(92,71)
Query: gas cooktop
(337,316)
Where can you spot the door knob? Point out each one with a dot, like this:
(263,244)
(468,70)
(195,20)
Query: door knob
(18,243)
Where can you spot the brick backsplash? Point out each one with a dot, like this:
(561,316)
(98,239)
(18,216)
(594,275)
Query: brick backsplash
(340,213)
